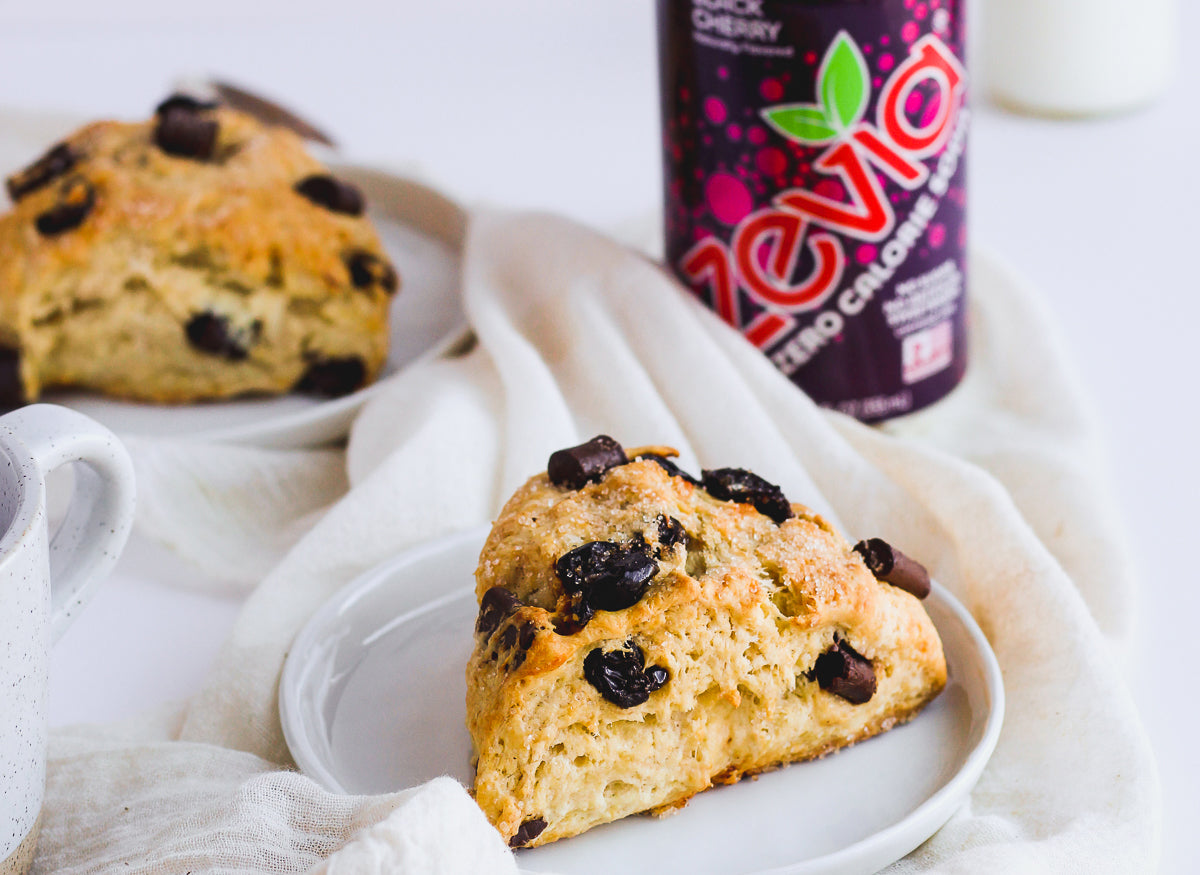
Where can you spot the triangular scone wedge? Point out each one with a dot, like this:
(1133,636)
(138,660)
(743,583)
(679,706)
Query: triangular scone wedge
(749,644)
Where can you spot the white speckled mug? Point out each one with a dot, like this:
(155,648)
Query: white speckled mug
(44,582)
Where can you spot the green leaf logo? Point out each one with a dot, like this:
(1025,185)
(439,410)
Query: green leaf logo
(801,121)
(843,90)
(842,82)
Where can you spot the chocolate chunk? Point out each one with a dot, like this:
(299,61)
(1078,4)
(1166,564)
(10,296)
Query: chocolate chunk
(514,639)
(55,163)
(670,531)
(528,633)
(368,270)
(76,197)
(186,134)
(610,576)
(669,466)
(332,194)
(841,670)
(573,467)
(525,637)
(738,484)
(184,102)
(891,566)
(213,334)
(497,604)
(12,390)
(527,832)
(508,637)
(621,676)
(333,377)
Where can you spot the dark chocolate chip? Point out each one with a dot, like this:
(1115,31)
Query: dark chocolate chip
(528,633)
(332,194)
(573,467)
(186,134)
(841,670)
(508,637)
(891,566)
(184,102)
(516,641)
(12,389)
(334,377)
(368,270)
(497,604)
(738,484)
(76,197)
(621,676)
(670,531)
(669,466)
(527,832)
(56,162)
(610,576)
(213,334)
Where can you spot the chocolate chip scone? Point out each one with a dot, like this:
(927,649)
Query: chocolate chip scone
(643,635)
(199,255)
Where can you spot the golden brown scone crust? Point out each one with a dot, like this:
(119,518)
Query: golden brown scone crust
(737,614)
(106,305)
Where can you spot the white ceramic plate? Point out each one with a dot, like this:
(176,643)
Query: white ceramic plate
(372,700)
(418,229)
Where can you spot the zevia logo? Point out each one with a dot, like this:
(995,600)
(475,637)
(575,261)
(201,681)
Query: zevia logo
(765,248)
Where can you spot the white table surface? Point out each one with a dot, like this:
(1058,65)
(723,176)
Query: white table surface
(553,104)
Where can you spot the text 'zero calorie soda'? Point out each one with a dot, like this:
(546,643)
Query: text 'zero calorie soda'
(814,155)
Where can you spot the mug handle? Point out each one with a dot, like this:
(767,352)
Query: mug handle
(93,533)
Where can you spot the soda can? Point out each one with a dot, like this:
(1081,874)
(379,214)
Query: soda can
(814,157)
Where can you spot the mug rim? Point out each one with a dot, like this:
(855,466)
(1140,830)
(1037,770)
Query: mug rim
(25,518)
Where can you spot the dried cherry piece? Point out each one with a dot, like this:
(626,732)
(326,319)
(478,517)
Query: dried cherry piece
(76,197)
(368,270)
(333,377)
(669,466)
(213,334)
(55,163)
(12,389)
(670,531)
(740,485)
(576,466)
(497,604)
(574,613)
(621,675)
(610,576)
(332,194)
(527,832)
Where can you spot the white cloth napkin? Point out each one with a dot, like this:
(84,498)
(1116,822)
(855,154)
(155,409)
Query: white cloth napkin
(999,490)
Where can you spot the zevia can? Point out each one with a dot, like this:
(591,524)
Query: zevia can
(814,156)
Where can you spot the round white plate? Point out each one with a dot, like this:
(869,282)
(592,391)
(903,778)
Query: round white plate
(419,230)
(372,700)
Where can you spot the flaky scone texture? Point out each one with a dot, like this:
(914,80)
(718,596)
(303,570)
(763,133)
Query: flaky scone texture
(188,278)
(738,614)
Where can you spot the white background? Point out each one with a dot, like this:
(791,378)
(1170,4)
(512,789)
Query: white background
(553,104)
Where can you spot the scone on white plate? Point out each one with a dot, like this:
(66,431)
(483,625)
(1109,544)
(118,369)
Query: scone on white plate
(198,255)
(643,635)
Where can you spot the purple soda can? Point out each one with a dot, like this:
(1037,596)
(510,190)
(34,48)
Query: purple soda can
(815,187)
